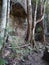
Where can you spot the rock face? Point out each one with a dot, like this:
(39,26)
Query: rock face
(18,10)
(22,2)
(16,19)
(13,22)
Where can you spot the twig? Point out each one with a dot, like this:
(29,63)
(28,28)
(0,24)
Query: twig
(23,46)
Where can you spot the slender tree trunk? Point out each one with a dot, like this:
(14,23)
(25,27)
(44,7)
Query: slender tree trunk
(43,7)
(29,19)
(35,15)
(42,21)
(3,24)
(39,20)
(4,12)
(8,12)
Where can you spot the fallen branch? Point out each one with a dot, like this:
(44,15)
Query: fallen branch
(26,45)
(23,46)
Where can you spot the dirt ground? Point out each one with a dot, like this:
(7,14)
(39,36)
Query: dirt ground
(35,58)
(32,59)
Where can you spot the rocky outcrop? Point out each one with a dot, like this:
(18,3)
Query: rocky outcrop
(22,2)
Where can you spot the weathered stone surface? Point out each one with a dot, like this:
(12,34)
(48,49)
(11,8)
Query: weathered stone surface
(18,10)
(22,2)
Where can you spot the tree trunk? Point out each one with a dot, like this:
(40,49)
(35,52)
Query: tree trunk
(4,11)
(35,15)
(43,6)
(8,12)
(29,19)
(43,11)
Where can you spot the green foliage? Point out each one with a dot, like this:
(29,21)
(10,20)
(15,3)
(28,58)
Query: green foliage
(3,62)
(22,51)
(13,46)
(33,1)
(19,51)
(39,29)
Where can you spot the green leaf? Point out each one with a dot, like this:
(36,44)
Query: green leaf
(3,62)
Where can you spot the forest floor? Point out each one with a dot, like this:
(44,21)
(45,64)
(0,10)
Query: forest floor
(33,59)
(18,52)
(30,59)
(23,56)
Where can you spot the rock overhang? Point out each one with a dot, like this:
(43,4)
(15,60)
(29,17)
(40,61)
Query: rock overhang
(19,8)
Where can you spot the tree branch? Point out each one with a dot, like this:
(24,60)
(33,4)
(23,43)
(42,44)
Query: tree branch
(40,19)
(43,14)
(35,15)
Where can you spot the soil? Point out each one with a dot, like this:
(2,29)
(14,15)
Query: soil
(35,58)
(32,59)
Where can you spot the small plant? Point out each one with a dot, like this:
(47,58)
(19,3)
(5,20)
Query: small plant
(3,62)
(20,52)
(39,29)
